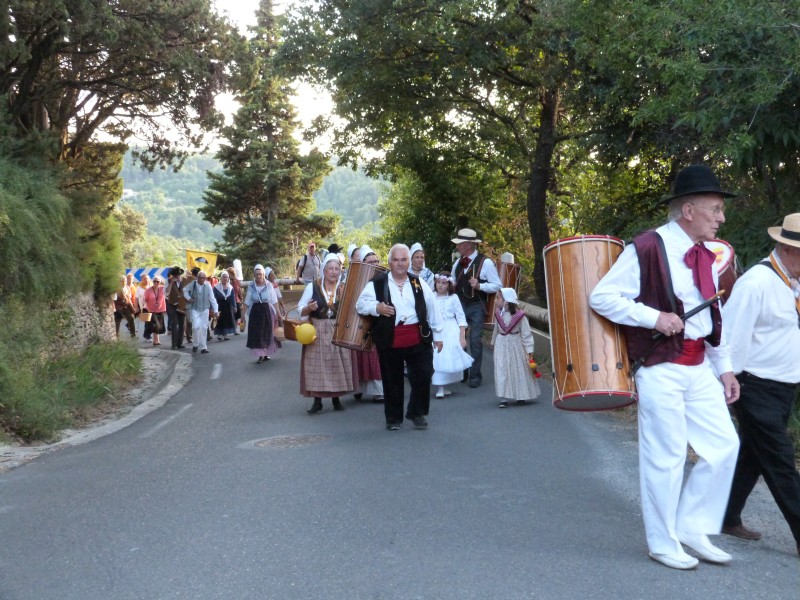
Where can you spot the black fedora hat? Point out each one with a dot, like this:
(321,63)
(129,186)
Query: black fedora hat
(696,179)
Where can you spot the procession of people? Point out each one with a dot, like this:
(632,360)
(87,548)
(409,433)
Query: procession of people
(694,363)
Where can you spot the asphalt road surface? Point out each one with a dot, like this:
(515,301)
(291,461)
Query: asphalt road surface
(231,491)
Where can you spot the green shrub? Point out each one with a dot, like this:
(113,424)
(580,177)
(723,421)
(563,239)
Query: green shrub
(38,398)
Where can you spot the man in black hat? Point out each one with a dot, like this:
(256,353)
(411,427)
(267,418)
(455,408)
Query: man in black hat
(661,276)
(476,277)
(762,325)
(175,317)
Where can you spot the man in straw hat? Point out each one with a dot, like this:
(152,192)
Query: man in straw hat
(762,325)
(476,278)
(657,279)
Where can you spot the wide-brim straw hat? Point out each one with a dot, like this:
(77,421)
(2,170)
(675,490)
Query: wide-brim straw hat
(789,232)
(696,179)
(466,235)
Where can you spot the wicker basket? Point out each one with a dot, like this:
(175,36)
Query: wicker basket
(145,316)
(288,329)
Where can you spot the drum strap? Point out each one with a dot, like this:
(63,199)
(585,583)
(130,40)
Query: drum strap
(773,264)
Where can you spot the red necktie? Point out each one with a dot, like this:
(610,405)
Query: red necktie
(700,260)
(465,262)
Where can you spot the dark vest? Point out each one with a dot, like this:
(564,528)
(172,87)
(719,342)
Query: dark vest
(318,295)
(464,290)
(383,327)
(655,291)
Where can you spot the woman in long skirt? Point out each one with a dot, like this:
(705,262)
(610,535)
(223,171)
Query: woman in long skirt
(226,301)
(326,371)
(260,311)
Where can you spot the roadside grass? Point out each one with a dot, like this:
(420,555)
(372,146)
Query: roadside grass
(45,397)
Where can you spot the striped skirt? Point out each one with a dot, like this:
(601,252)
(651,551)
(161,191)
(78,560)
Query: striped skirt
(326,371)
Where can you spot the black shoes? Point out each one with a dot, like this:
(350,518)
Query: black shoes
(419,422)
(741,531)
(337,404)
(393,426)
(203,351)
(316,407)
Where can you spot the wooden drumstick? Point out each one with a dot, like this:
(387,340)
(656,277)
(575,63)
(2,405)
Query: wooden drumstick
(658,336)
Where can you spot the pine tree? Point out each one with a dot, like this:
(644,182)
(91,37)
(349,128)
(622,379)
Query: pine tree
(263,197)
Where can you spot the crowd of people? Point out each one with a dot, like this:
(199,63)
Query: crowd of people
(427,328)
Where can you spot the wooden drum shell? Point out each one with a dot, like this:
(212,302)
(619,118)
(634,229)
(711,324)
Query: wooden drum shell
(510,276)
(350,329)
(591,370)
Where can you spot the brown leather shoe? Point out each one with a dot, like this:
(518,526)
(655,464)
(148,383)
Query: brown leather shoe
(741,531)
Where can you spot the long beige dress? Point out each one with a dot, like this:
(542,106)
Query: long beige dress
(513,379)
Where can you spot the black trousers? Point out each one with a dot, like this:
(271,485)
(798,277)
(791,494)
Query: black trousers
(419,360)
(176,324)
(763,412)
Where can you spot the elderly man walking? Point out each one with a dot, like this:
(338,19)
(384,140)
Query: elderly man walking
(657,279)
(402,334)
(200,299)
(762,326)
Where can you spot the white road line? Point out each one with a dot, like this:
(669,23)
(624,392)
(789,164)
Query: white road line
(217,371)
(165,422)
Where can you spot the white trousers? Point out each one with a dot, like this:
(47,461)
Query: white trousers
(200,329)
(680,405)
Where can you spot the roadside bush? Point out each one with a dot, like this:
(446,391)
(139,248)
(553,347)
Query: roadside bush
(40,397)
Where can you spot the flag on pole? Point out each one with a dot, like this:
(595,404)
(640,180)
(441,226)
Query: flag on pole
(205,261)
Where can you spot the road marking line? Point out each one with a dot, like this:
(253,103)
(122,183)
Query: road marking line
(165,422)
(217,371)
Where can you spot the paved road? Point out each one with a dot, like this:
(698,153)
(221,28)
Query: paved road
(231,491)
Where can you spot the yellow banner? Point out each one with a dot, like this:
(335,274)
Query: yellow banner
(205,261)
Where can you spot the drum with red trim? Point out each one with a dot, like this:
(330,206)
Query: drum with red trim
(591,370)
(510,276)
(726,264)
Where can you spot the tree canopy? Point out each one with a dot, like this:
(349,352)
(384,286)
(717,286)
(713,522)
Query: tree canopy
(567,100)
(148,70)
(263,196)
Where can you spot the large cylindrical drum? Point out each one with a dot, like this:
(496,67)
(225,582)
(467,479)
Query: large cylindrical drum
(350,330)
(510,276)
(590,360)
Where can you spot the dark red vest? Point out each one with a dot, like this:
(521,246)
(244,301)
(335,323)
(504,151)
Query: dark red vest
(655,291)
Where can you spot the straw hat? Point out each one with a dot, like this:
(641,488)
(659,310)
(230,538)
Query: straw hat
(466,235)
(789,233)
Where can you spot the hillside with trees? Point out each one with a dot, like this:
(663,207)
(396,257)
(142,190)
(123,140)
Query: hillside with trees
(167,203)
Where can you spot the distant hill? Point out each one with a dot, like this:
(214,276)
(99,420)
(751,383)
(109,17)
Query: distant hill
(170,200)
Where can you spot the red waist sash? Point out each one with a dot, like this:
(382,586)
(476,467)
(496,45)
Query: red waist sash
(406,336)
(694,352)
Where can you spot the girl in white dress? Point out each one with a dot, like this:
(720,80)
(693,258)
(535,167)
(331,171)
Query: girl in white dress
(449,359)
(513,351)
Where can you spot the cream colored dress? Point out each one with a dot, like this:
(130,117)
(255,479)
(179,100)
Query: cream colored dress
(513,378)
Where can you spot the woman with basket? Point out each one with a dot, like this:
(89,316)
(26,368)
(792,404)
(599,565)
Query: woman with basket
(326,371)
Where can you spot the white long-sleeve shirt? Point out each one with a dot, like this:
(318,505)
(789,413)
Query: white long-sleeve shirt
(761,327)
(201,297)
(613,297)
(402,300)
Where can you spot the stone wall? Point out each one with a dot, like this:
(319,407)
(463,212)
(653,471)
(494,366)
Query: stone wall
(81,321)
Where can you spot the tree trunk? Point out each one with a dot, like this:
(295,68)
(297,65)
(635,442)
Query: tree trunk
(541,173)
